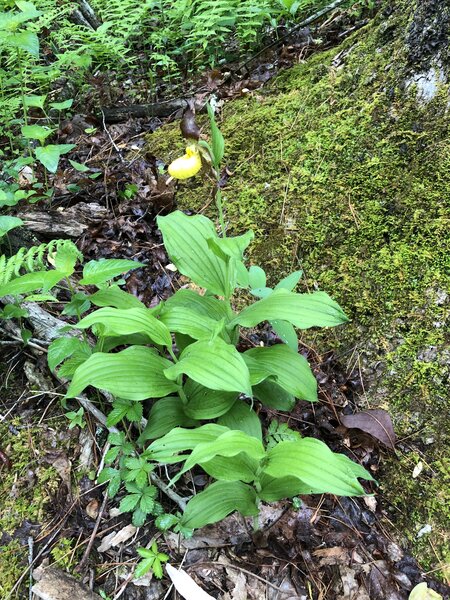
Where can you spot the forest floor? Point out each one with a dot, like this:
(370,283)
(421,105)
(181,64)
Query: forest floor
(278,116)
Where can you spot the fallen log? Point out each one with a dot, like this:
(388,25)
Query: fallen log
(117,114)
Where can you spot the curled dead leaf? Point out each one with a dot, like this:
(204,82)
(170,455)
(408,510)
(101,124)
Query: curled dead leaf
(376,422)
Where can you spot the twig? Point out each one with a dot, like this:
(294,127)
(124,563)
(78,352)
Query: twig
(116,148)
(167,491)
(82,564)
(90,407)
(30,562)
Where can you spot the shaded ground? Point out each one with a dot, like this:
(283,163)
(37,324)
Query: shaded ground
(361,206)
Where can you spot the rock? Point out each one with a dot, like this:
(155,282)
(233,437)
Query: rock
(54,584)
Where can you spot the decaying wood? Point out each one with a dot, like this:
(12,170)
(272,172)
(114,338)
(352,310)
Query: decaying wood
(117,114)
(54,584)
(89,14)
(67,222)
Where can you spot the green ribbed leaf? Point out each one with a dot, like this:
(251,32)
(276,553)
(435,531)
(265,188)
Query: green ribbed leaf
(178,440)
(114,296)
(185,239)
(312,462)
(302,310)
(286,332)
(180,319)
(39,280)
(229,444)
(272,395)
(136,373)
(287,368)
(240,468)
(99,271)
(243,418)
(207,306)
(204,403)
(117,321)
(215,364)
(164,416)
(277,488)
(218,501)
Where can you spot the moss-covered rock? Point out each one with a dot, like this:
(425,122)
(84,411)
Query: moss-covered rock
(342,168)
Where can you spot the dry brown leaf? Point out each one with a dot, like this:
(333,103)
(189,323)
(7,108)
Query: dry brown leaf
(376,422)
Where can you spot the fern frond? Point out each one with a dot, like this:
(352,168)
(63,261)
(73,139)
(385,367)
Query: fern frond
(32,259)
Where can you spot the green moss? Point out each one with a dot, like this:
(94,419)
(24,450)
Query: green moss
(341,172)
(26,491)
(14,560)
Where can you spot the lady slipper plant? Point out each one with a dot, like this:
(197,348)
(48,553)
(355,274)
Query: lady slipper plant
(183,358)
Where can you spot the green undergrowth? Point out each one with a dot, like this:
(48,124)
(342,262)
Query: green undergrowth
(27,490)
(340,171)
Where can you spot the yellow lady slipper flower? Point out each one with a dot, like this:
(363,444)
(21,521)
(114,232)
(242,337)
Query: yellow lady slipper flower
(186,166)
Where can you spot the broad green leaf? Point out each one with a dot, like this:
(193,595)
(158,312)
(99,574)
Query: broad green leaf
(49,155)
(99,271)
(261,292)
(289,282)
(185,239)
(257,277)
(215,364)
(238,468)
(302,310)
(165,415)
(204,403)
(136,373)
(62,105)
(290,370)
(312,462)
(231,247)
(39,280)
(24,40)
(277,488)
(109,343)
(218,501)
(36,132)
(181,319)
(243,418)
(229,444)
(286,332)
(8,223)
(207,306)
(272,395)
(114,296)
(35,101)
(422,592)
(117,321)
(178,440)
(63,347)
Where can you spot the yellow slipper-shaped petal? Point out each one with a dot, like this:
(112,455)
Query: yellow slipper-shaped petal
(186,166)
